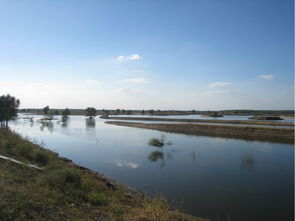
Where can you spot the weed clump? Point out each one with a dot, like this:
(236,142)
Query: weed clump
(157,142)
(64,178)
(97,198)
(41,158)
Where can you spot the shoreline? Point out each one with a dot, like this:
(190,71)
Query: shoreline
(275,135)
(59,189)
(248,122)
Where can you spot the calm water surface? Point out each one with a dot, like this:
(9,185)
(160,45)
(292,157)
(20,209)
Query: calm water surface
(209,177)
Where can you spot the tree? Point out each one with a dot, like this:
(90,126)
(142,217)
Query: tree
(151,111)
(56,112)
(194,111)
(8,108)
(142,112)
(45,110)
(66,112)
(50,115)
(90,112)
(65,115)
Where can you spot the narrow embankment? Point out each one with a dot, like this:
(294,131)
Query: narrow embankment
(245,122)
(277,135)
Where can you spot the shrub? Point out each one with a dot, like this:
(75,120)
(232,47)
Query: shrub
(64,178)
(41,158)
(97,198)
(157,142)
(26,151)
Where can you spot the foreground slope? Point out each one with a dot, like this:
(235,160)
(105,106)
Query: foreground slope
(61,190)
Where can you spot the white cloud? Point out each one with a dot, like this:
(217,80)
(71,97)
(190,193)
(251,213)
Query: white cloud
(126,164)
(91,81)
(137,71)
(132,57)
(213,92)
(125,91)
(39,85)
(223,92)
(137,80)
(267,77)
(219,84)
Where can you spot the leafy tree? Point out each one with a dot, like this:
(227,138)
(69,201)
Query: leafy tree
(194,111)
(118,111)
(66,112)
(151,111)
(50,115)
(65,115)
(56,112)
(45,110)
(8,108)
(90,112)
(142,112)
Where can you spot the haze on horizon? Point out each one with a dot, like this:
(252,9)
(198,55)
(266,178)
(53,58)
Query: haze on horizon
(184,55)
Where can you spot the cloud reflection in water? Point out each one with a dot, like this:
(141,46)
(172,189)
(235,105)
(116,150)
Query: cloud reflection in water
(126,164)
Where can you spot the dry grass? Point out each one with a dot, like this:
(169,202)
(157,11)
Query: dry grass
(278,135)
(246,122)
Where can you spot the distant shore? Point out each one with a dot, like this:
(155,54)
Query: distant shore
(252,122)
(259,133)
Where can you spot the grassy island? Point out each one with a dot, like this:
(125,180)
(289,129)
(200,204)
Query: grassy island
(259,133)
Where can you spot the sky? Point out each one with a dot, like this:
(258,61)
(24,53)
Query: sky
(148,54)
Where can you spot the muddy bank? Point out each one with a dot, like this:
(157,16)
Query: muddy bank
(277,135)
(202,121)
(266,118)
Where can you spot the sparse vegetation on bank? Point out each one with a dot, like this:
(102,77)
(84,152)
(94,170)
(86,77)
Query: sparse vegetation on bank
(278,135)
(266,118)
(62,190)
(204,121)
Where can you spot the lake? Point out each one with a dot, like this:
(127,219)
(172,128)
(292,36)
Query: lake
(208,177)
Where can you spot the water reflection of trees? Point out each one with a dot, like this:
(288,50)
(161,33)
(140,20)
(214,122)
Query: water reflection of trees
(155,156)
(64,121)
(46,124)
(90,122)
(248,161)
(90,129)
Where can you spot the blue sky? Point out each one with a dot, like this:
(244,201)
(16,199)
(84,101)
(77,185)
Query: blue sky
(160,54)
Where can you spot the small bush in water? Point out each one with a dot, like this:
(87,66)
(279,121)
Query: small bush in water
(157,142)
